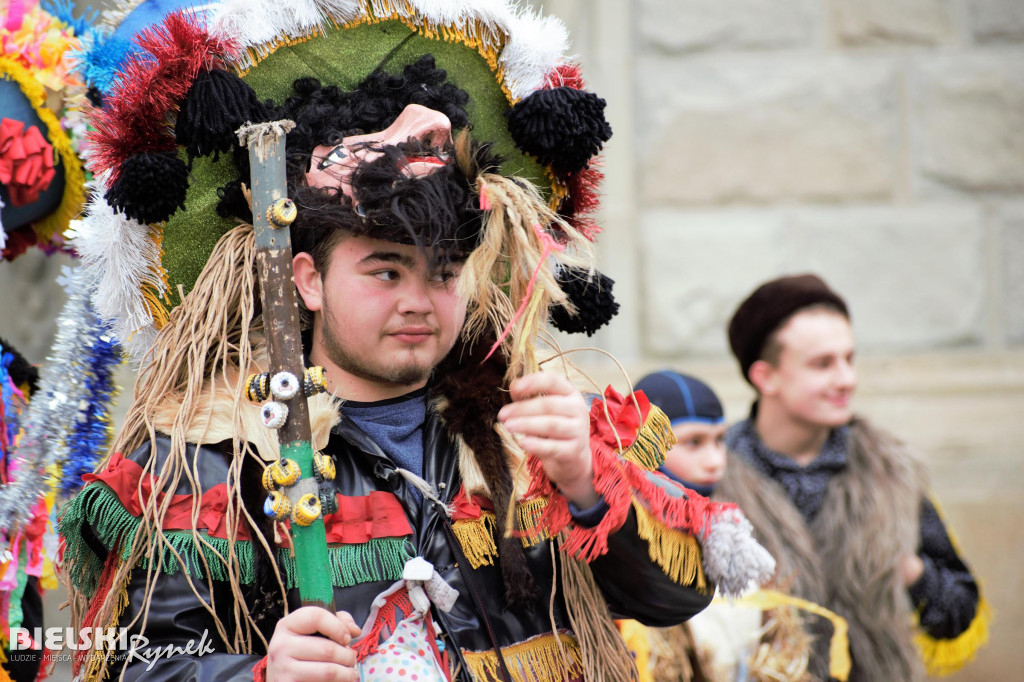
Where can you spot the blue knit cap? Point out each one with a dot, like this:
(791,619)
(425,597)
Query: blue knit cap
(682,397)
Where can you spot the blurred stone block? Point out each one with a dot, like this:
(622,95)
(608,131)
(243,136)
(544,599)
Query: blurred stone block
(997,21)
(695,25)
(881,22)
(1010,221)
(968,122)
(740,128)
(914,278)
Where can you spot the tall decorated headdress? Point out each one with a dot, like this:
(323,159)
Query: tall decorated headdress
(41,178)
(169,238)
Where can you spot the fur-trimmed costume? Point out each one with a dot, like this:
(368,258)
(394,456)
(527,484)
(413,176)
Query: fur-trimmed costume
(380,526)
(852,567)
(209,554)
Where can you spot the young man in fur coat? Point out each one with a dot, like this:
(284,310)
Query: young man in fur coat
(842,505)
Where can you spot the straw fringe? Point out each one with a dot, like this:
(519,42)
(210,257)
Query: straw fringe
(509,267)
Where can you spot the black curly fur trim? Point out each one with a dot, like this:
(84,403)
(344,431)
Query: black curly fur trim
(474,396)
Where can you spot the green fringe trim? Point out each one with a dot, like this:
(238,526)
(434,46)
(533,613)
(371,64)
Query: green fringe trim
(98,506)
(375,560)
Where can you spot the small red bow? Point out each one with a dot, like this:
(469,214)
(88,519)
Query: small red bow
(26,161)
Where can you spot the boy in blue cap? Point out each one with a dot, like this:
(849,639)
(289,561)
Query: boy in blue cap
(697,460)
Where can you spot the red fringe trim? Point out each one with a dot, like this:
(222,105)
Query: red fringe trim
(387,617)
(618,481)
(106,579)
(586,544)
(259,671)
(693,514)
(149,87)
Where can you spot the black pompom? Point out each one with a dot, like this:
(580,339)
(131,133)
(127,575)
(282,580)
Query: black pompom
(217,104)
(595,305)
(150,187)
(562,127)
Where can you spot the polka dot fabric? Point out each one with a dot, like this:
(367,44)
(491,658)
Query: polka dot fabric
(405,656)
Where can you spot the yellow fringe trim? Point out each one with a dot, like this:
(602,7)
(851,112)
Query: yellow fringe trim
(476,536)
(152,297)
(529,514)
(839,645)
(677,553)
(4,677)
(486,44)
(74,177)
(540,659)
(946,656)
(654,439)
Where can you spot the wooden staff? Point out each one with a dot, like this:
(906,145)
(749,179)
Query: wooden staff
(272,213)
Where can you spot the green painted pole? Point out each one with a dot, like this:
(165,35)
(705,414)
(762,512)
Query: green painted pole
(281,320)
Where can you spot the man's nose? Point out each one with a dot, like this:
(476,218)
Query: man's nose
(847,374)
(415,297)
(421,123)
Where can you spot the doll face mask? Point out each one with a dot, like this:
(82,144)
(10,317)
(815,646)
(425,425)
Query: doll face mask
(417,127)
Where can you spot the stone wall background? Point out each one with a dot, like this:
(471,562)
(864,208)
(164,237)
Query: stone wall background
(879,143)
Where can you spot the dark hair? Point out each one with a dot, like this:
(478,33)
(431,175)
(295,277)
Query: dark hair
(326,114)
(772,350)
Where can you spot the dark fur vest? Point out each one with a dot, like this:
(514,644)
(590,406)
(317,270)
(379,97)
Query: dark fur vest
(847,558)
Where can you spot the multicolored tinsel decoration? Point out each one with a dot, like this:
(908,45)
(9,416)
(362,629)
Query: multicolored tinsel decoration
(92,431)
(81,361)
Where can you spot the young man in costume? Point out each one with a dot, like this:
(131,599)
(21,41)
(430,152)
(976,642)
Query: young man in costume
(760,636)
(482,523)
(843,505)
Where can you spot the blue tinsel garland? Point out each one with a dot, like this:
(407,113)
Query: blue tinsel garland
(90,436)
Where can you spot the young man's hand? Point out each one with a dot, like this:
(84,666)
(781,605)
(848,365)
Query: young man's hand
(911,569)
(297,654)
(551,421)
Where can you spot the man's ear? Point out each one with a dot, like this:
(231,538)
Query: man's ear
(763,375)
(308,282)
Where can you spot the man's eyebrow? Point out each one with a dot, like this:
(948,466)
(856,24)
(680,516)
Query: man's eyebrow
(402,259)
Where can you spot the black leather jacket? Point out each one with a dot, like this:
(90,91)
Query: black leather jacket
(633,586)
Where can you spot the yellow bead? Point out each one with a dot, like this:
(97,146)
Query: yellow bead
(277,506)
(282,213)
(285,472)
(324,466)
(307,510)
(268,480)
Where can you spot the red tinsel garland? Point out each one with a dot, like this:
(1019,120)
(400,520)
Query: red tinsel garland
(150,86)
(583,198)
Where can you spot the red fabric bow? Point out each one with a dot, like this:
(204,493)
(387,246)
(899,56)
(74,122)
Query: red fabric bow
(26,161)
(625,420)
